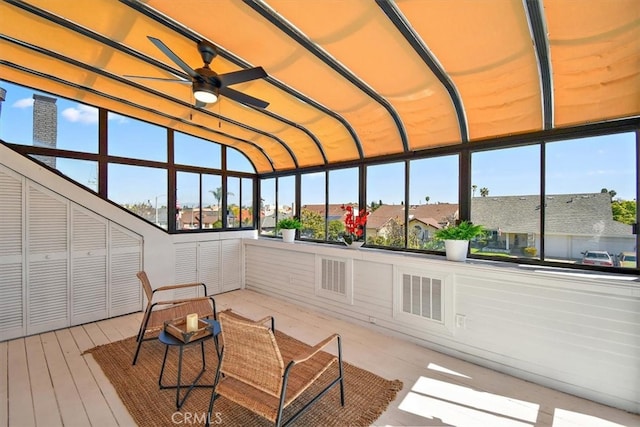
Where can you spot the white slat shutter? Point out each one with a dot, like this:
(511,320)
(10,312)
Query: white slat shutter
(186,269)
(209,266)
(47,269)
(231,264)
(88,266)
(12,313)
(125,260)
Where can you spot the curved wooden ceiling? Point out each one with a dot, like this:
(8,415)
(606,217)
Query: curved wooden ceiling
(348,80)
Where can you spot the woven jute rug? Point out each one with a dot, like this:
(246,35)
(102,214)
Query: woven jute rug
(366,395)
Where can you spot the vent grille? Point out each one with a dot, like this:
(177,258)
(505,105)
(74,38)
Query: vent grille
(422,296)
(334,276)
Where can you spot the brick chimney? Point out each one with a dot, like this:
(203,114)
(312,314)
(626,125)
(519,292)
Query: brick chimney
(45,126)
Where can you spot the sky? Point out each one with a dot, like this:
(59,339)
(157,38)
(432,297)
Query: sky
(580,166)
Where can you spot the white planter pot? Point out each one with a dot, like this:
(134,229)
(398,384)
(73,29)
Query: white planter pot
(456,250)
(354,245)
(288,235)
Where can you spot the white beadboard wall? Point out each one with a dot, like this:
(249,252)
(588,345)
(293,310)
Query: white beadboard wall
(159,248)
(578,333)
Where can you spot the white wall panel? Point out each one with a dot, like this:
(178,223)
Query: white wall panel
(89,299)
(47,260)
(574,332)
(12,314)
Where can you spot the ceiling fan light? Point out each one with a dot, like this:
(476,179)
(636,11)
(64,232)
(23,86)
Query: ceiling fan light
(205,92)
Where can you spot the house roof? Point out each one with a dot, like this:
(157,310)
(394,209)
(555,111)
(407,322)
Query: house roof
(347,80)
(436,214)
(578,214)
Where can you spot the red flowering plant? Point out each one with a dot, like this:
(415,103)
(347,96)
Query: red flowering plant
(354,224)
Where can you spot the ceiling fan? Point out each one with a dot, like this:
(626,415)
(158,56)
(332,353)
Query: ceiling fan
(208,85)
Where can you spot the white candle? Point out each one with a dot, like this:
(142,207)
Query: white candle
(192,322)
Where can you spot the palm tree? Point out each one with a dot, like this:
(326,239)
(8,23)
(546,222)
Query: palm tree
(484,191)
(427,198)
(217,194)
(473,190)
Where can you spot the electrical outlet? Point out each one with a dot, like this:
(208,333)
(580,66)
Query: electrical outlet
(372,320)
(461,321)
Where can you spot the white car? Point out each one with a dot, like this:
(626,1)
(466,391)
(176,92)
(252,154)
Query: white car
(597,258)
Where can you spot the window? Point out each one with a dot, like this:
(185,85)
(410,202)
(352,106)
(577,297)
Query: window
(233,202)
(385,193)
(246,206)
(136,139)
(236,161)
(590,198)
(189,150)
(286,192)
(433,199)
(268,206)
(35,118)
(505,199)
(313,209)
(343,190)
(147,198)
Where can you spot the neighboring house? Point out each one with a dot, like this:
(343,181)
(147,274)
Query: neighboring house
(423,219)
(190,218)
(575,223)
(335,211)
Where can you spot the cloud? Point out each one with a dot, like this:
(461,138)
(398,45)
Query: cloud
(117,118)
(81,113)
(23,103)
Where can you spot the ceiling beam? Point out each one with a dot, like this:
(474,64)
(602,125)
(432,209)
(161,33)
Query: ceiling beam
(303,41)
(396,17)
(538,27)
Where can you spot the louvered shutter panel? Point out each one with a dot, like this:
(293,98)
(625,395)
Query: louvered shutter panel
(88,266)
(11,258)
(186,269)
(125,260)
(231,264)
(47,269)
(209,266)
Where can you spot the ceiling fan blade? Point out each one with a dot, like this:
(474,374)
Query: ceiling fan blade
(234,77)
(158,78)
(160,45)
(243,98)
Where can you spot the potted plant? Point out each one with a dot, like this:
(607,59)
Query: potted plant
(288,227)
(354,225)
(456,239)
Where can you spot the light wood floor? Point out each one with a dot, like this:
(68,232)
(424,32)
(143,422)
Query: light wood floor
(46,381)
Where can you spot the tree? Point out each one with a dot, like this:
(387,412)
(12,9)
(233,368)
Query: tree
(312,224)
(624,211)
(217,194)
(427,198)
(484,191)
(473,190)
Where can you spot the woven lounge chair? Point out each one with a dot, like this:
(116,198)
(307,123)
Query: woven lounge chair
(158,311)
(265,377)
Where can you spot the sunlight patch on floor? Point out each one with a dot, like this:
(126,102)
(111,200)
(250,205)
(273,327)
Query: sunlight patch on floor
(462,406)
(444,370)
(566,418)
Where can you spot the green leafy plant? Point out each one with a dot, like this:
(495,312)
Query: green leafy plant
(289,224)
(463,231)
(530,251)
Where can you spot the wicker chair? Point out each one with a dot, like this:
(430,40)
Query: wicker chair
(265,377)
(157,311)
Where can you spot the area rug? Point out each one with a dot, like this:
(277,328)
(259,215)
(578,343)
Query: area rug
(366,395)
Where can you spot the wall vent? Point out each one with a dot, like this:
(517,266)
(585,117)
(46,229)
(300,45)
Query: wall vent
(334,278)
(424,299)
(422,296)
